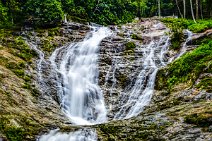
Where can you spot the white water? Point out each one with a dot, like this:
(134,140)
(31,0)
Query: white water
(80,135)
(184,47)
(81,97)
(40,63)
(141,92)
(75,68)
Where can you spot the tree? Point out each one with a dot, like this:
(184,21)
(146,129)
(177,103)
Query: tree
(184,8)
(67,5)
(3,14)
(159,10)
(197,9)
(192,12)
(139,8)
(178,8)
(44,12)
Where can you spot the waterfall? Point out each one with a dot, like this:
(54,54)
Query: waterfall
(141,92)
(80,135)
(184,46)
(81,97)
(74,68)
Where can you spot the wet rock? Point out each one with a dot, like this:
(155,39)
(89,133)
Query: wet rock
(3,139)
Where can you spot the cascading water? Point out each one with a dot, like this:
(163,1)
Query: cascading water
(80,135)
(77,81)
(40,64)
(183,49)
(184,46)
(75,69)
(81,98)
(140,94)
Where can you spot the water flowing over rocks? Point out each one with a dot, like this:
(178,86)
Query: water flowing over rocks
(128,68)
(125,70)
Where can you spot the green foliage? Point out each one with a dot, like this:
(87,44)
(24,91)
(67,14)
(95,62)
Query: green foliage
(44,12)
(47,13)
(179,22)
(177,26)
(12,133)
(191,65)
(187,69)
(104,11)
(3,15)
(200,26)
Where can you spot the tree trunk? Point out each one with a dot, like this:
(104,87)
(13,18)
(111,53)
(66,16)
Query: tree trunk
(197,9)
(192,12)
(159,10)
(184,9)
(201,9)
(178,9)
(139,9)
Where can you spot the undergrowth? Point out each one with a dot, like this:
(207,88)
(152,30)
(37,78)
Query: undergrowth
(188,68)
(177,26)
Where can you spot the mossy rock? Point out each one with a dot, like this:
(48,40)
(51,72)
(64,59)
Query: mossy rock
(187,69)
(122,80)
(136,37)
(161,79)
(202,120)
(130,46)
(205,84)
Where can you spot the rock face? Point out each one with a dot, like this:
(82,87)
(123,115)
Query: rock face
(29,108)
(122,57)
(29,104)
(180,114)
